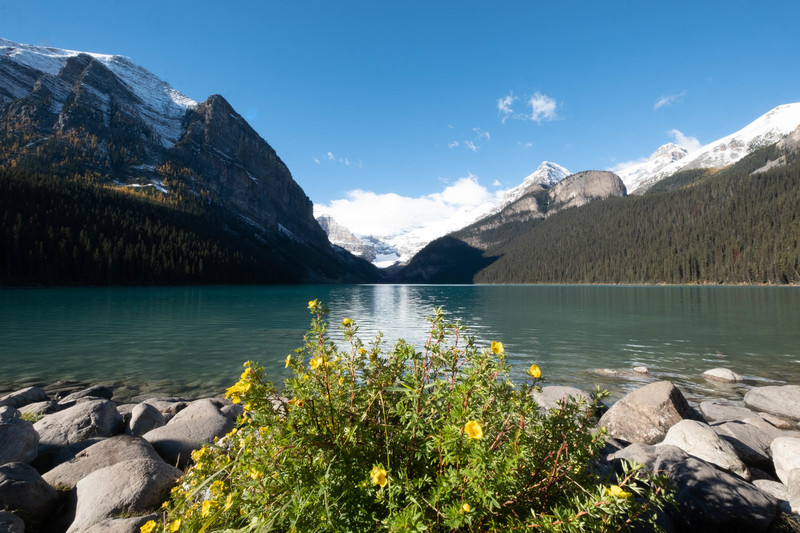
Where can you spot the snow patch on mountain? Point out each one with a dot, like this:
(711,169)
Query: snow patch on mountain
(163,107)
(766,129)
(546,175)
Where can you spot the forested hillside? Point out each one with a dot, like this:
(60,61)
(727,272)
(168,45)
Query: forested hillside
(62,231)
(731,226)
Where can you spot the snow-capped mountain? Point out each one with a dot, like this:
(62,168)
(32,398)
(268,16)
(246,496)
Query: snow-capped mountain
(386,250)
(767,129)
(161,106)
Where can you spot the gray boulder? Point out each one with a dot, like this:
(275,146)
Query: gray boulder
(144,417)
(23,489)
(644,415)
(716,411)
(18,440)
(190,429)
(793,488)
(785,456)
(169,407)
(550,397)
(11,523)
(751,437)
(40,408)
(709,500)
(783,401)
(23,397)
(724,375)
(94,392)
(134,487)
(92,418)
(777,490)
(699,440)
(100,455)
(122,525)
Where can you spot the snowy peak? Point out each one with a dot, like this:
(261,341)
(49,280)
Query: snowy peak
(547,175)
(634,175)
(23,66)
(765,130)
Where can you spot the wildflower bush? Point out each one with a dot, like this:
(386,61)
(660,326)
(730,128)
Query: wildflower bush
(405,440)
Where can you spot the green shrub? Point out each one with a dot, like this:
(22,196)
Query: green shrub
(406,440)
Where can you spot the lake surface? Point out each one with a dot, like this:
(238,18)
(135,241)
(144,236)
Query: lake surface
(192,341)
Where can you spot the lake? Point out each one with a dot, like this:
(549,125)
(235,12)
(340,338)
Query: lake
(192,341)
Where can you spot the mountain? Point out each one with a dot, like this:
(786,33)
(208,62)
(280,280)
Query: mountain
(105,120)
(387,250)
(459,256)
(667,160)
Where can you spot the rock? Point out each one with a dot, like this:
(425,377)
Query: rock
(718,412)
(23,489)
(144,417)
(723,374)
(97,391)
(778,422)
(644,415)
(104,453)
(776,490)
(783,401)
(640,370)
(751,437)
(133,487)
(40,408)
(194,426)
(709,500)
(92,418)
(122,525)
(23,397)
(785,456)
(551,396)
(793,487)
(699,440)
(11,523)
(18,440)
(169,407)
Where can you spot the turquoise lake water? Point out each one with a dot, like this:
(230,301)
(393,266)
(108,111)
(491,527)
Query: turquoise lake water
(192,341)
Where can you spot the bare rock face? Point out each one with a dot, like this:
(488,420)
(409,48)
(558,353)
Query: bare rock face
(583,187)
(646,414)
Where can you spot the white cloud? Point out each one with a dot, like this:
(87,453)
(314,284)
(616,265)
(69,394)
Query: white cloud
(471,145)
(627,164)
(316,160)
(684,141)
(504,106)
(329,156)
(482,134)
(369,213)
(669,100)
(496,183)
(452,144)
(543,107)
(524,146)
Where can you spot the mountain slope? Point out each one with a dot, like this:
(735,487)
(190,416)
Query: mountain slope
(765,130)
(106,120)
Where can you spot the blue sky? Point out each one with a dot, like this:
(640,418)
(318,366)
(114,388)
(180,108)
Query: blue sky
(448,102)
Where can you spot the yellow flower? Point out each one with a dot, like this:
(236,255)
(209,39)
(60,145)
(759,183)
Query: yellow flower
(207,507)
(378,476)
(315,362)
(618,492)
(347,322)
(228,502)
(473,430)
(362,351)
(288,360)
(535,371)
(466,508)
(313,305)
(497,347)
(148,527)
(175,526)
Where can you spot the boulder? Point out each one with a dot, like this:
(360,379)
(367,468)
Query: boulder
(23,489)
(169,407)
(550,397)
(11,523)
(785,456)
(783,401)
(144,417)
(132,487)
(23,397)
(94,392)
(640,370)
(699,440)
(716,411)
(100,455)
(92,418)
(122,525)
(751,437)
(724,375)
(189,430)
(40,408)
(644,415)
(777,490)
(793,488)
(709,499)
(18,440)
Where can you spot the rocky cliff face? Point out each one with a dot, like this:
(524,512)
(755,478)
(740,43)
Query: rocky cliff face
(106,119)
(583,187)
